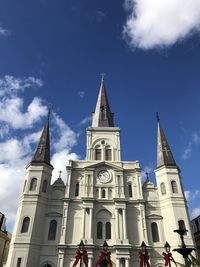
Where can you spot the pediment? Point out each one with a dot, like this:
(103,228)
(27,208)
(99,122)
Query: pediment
(106,164)
(154,217)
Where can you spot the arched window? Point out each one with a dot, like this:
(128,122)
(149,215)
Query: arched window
(108,153)
(25,225)
(52,230)
(197,224)
(47,265)
(99,230)
(154,232)
(163,188)
(44,186)
(103,113)
(103,193)
(98,153)
(33,184)
(174,187)
(108,230)
(130,192)
(181,225)
(77,190)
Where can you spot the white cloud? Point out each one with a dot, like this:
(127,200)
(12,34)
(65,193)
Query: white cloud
(81,94)
(85,120)
(192,195)
(60,161)
(66,137)
(23,123)
(195,213)
(155,23)
(4,32)
(11,85)
(195,140)
(11,112)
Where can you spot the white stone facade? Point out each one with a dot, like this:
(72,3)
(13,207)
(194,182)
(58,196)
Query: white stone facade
(103,199)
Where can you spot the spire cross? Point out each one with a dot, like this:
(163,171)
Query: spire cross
(102,76)
(60,172)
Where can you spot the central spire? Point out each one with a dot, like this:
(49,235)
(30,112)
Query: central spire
(102,117)
(164,154)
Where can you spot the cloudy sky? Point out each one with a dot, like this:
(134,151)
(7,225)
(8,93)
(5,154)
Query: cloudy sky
(52,53)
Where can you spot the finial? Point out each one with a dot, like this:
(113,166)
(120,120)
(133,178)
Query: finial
(147,175)
(157,117)
(102,76)
(60,172)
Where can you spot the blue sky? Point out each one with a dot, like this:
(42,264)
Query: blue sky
(52,52)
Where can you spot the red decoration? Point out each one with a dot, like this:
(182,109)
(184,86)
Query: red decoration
(168,257)
(104,255)
(81,255)
(144,258)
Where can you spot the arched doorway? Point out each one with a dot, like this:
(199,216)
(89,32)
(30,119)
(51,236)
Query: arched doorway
(47,265)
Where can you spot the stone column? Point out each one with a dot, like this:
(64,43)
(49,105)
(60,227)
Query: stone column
(90,223)
(89,262)
(117,222)
(68,184)
(100,189)
(127,262)
(117,262)
(116,186)
(61,256)
(64,224)
(124,223)
(83,224)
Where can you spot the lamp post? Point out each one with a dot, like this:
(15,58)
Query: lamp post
(105,246)
(81,248)
(183,250)
(167,249)
(144,251)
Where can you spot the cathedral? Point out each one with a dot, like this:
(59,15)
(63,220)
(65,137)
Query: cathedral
(103,199)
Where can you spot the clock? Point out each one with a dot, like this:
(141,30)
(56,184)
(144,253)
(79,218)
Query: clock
(104,176)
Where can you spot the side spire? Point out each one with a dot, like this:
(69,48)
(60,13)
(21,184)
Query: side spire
(102,117)
(42,153)
(164,154)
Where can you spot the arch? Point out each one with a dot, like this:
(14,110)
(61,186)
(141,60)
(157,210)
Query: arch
(163,188)
(181,225)
(110,194)
(108,230)
(98,153)
(47,265)
(108,153)
(99,230)
(33,184)
(77,190)
(154,232)
(25,225)
(103,113)
(103,193)
(130,191)
(174,187)
(52,230)
(44,186)
(122,262)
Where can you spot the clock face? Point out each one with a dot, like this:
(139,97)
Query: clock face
(104,176)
